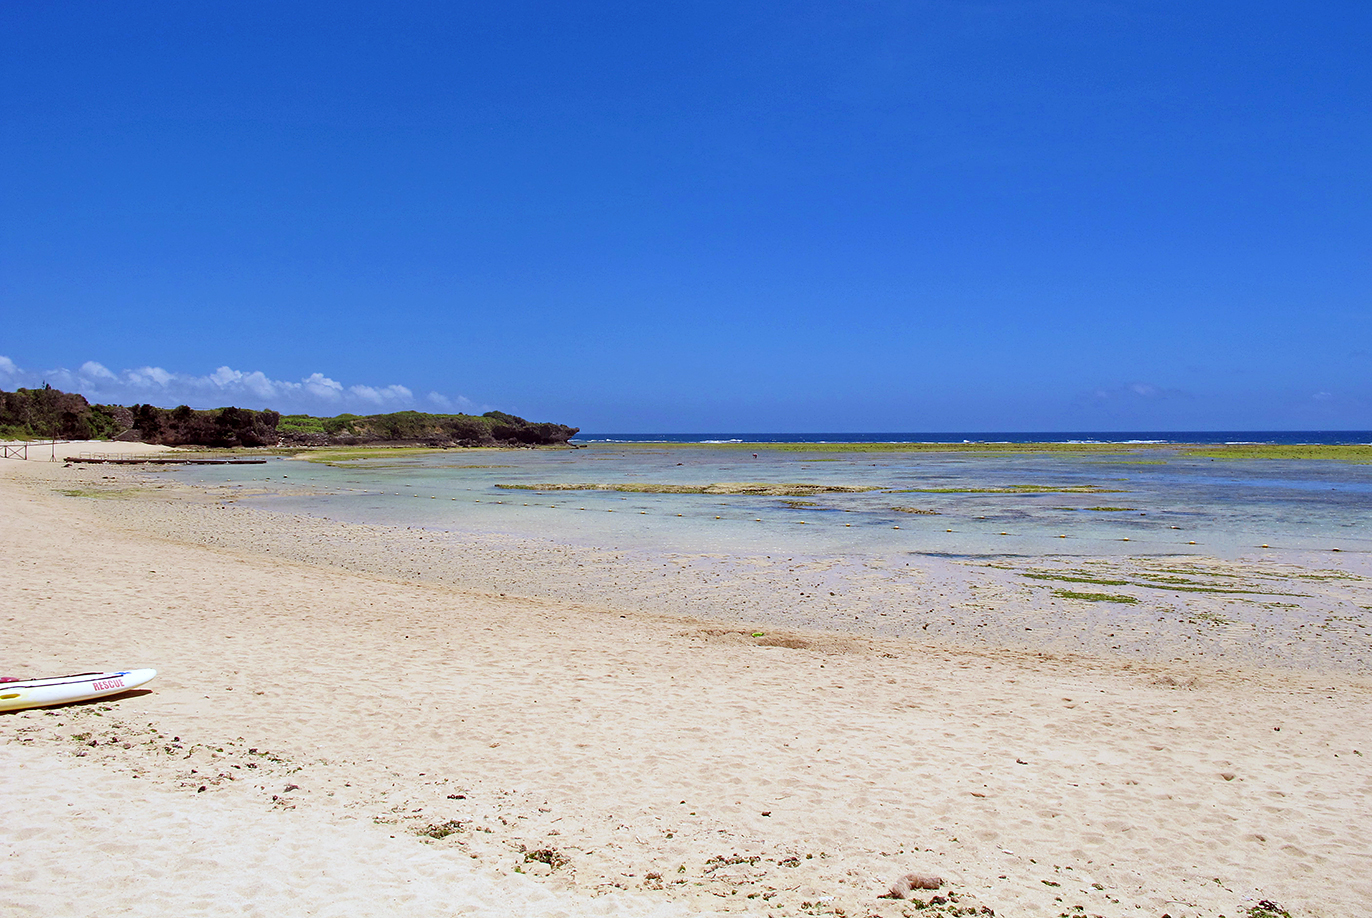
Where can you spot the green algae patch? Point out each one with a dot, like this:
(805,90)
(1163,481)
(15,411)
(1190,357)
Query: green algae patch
(340,456)
(1129,453)
(1094,597)
(746,488)
(1340,452)
(1068,578)
(384,456)
(1150,582)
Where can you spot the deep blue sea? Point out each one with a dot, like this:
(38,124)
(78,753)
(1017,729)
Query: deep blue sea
(1054,436)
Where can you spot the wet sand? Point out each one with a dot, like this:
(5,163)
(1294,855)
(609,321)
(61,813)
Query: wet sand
(635,734)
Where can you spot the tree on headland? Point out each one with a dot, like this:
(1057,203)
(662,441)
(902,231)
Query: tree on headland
(50,413)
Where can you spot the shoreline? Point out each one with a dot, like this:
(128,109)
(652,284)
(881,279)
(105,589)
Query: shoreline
(814,769)
(1306,612)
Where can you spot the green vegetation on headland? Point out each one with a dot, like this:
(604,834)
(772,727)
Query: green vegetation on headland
(756,488)
(494,428)
(49,413)
(28,414)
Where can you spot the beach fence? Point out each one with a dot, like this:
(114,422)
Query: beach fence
(21,449)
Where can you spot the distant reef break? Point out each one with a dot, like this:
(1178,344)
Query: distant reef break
(51,413)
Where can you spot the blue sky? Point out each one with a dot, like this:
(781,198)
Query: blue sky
(699,216)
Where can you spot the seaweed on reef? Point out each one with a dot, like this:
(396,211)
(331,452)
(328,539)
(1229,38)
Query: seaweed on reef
(1095,597)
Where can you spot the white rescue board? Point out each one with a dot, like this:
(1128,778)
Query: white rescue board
(40,693)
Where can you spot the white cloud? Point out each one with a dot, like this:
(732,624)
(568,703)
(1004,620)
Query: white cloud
(225,376)
(92,370)
(319,385)
(395,394)
(255,382)
(1138,391)
(148,376)
(445,404)
(314,394)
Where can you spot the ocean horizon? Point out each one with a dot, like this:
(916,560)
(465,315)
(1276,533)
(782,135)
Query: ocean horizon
(1209,437)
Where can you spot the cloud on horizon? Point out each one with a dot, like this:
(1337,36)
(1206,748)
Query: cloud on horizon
(1139,392)
(315,394)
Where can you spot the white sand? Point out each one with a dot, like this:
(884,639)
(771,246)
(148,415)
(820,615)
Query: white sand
(680,766)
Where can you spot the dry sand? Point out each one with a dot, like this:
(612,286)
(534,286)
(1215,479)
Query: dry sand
(313,728)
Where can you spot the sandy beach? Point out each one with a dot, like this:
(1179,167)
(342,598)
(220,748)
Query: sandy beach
(352,721)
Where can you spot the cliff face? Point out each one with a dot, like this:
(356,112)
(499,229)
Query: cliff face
(48,412)
(220,427)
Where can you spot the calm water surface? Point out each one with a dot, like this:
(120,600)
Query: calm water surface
(1153,502)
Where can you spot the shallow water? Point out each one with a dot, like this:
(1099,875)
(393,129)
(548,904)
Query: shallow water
(1148,503)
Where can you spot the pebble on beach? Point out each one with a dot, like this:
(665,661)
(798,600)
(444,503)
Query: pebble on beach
(902,887)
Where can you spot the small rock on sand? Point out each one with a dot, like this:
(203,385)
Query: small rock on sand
(901,888)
